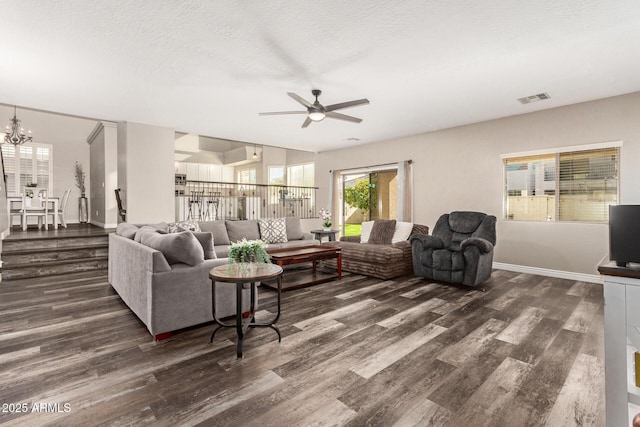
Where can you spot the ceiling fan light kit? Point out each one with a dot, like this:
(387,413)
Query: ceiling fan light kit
(317,112)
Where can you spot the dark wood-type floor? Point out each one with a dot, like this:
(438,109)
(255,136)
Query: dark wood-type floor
(362,351)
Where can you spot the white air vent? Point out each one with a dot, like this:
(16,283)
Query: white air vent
(534,98)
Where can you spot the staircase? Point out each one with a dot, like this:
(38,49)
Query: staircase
(53,253)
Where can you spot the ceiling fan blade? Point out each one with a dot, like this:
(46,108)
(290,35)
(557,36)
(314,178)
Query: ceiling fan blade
(275,113)
(348,104)
(334,115)
(307,122)
(299,99)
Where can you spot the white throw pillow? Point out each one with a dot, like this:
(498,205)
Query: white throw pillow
(365,231)
(273,230)
(402,232)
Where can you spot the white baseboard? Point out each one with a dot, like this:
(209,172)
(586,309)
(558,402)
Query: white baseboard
(591,278)
(102,224)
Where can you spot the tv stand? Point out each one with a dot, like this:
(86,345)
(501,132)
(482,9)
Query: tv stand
(621,342)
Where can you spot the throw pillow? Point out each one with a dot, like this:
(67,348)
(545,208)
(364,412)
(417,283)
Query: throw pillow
(365,231)
(402,232)
(294,229)
(247,228)
(218,229)
(206,240)
(419,229)
(126,230)
(188,225)
(273,230)
(145,229)
(177,248)
(382,231)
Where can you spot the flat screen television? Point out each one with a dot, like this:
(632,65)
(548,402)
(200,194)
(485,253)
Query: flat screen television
(624,234)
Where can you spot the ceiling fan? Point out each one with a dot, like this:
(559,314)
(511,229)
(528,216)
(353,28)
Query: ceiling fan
(317,112)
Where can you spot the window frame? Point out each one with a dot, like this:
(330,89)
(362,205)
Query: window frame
(557,154)
(290,174)
(34,165)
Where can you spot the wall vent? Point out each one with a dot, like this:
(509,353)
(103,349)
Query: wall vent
(534,98)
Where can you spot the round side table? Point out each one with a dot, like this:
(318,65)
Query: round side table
(245,276)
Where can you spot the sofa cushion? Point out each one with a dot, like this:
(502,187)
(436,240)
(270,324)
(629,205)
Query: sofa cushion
(218,229)
(382,231)
(207,241)
(187,225)
(273,230)
(177,248)
(127,230)
(247,229)
(294,229)
(402,231)
(365,231)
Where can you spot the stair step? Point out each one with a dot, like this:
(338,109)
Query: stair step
(30,256)
(52,268)
(52,243)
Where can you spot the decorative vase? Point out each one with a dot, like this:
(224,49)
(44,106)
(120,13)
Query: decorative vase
(27,202)
(83,210)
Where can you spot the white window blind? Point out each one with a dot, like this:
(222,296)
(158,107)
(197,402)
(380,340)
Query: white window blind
(563,186)
(25,164)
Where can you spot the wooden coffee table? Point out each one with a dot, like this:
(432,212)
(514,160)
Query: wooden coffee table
(305,254)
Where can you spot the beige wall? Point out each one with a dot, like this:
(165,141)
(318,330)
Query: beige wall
(461,169)
(146,172)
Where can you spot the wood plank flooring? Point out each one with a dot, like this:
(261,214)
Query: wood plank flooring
(361,351)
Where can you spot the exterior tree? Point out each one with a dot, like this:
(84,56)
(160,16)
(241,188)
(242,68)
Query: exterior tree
(358,196)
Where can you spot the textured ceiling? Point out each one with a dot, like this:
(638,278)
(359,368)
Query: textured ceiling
(209,67)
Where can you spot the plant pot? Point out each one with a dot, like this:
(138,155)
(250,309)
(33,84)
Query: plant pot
(27,202)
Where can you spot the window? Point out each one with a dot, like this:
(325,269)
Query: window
(276,175)
(301,175)
(24,164)
(247,176)
(569,185)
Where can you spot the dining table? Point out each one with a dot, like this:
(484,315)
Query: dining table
(36,202)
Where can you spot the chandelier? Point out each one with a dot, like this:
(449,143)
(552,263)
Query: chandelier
(14,134)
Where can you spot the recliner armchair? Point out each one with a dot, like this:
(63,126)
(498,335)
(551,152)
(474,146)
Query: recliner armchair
(459,251)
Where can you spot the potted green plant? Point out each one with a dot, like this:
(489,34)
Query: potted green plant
(245,252)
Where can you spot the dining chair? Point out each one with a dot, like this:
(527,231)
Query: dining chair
(62,207)
(41,211)
(15,209)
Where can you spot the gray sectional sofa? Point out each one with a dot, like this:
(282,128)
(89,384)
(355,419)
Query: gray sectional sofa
(164,277)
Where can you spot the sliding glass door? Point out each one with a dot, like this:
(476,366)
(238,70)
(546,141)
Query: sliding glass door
(368,196)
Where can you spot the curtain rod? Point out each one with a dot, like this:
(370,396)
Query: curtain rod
(373,166)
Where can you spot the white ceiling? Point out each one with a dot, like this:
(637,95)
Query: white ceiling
(209,67)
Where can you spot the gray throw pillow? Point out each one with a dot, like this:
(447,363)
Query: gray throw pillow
(294,229)
(247,229)
(218,229)
(126,230)
(145,229)
(206,240)
(382,231)
(176,247)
